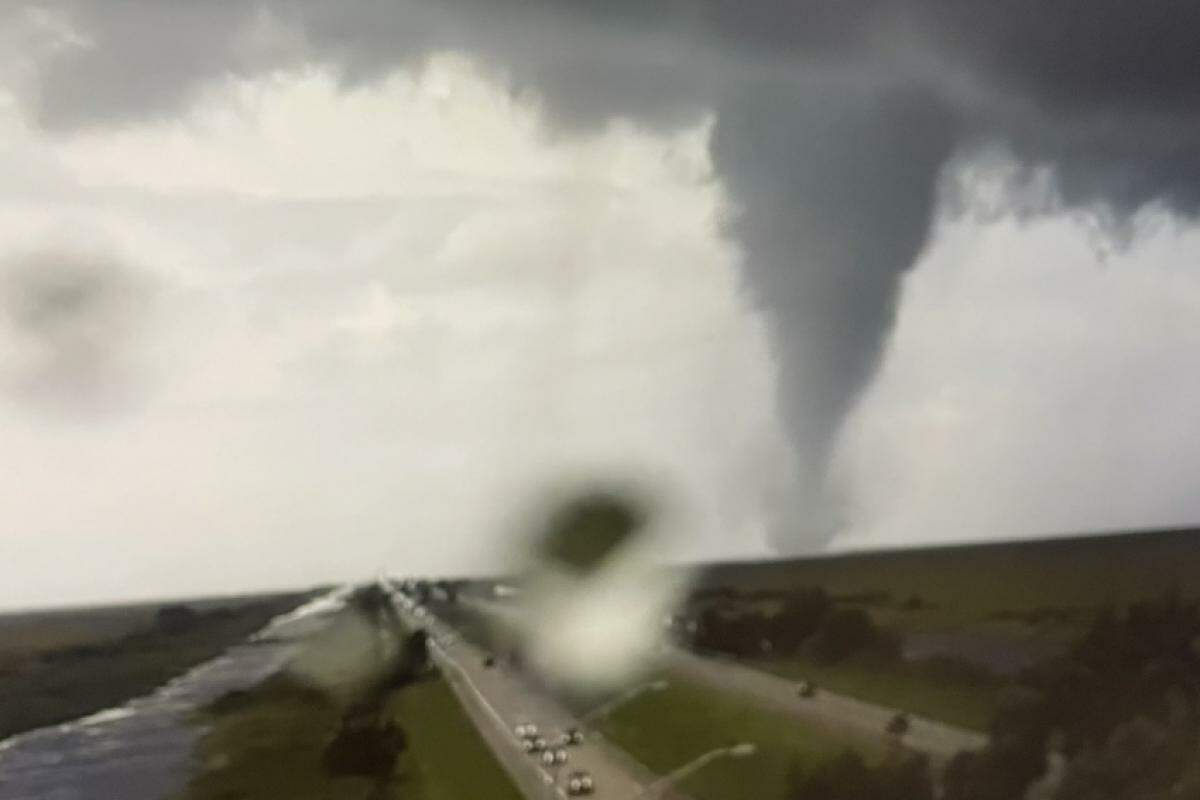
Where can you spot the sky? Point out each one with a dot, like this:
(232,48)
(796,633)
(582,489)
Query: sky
(292,293)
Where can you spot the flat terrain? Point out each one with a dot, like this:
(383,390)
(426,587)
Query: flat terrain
(991,610)
(1019,584)
(667,729)
(59,665)
(836,717)
(269,746)
(448,756)
(502,698)
(966,704)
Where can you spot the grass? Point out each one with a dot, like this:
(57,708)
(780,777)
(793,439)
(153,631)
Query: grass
(452,760)
(968,584)
(1035,596)
(967,704)
(78,676)
(268,745)
(666,729)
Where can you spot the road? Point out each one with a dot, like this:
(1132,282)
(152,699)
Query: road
(498,699)
(835,712)
(838,712)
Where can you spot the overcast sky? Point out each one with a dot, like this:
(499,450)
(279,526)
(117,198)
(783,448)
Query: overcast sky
(290,296)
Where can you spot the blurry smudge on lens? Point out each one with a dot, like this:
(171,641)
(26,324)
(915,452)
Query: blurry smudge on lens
(596,590)
(70,321)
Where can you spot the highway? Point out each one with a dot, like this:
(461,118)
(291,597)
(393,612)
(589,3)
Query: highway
(835,712)
(498,699)
(828,710)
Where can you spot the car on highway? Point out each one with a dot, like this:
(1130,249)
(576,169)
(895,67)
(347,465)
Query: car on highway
(554,756)
(806,689)
(568,738)
(533,744)
(489,661)
(580,783)
(899,724)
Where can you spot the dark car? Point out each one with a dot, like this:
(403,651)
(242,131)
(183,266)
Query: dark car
(806,689)
(899,724)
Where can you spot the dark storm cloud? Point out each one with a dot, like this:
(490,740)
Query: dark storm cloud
(834,118)
(139,58)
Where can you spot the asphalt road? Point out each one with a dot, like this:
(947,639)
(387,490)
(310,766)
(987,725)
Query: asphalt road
(835,712)
(826,709)
(499,699)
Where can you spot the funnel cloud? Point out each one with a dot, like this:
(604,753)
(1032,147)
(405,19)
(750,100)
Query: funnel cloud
(834,131)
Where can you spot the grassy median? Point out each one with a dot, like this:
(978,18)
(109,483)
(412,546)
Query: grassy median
(447,753)
(965,703)
(669,728)
(266,743)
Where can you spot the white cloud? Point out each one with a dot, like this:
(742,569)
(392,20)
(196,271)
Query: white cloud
(444,130)
(384,318)
(1033,385)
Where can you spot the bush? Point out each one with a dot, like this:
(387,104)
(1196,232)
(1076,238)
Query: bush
(847,777)
(1126,701)
(846,631)
(800,617)
(806,618)
(368,749)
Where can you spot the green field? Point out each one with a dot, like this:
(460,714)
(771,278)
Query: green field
(269,746)
(448,755)
(666,729)
(56,666)
(996,606)
(970,583)
(967,704)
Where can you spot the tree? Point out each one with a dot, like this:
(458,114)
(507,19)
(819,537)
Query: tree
(847,777)
(843,632)
(800,617)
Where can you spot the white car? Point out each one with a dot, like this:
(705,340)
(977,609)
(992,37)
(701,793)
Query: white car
(579,783)
(568,737)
